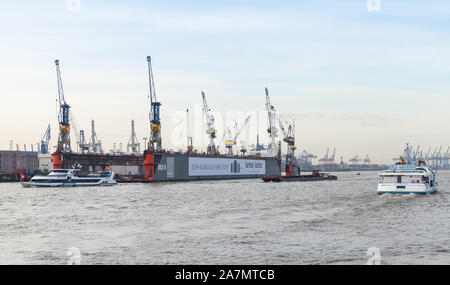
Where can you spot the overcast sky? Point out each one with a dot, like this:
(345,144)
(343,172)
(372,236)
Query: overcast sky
(365,82)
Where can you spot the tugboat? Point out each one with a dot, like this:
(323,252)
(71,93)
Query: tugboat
(292,168)
(406,177)
(71,178)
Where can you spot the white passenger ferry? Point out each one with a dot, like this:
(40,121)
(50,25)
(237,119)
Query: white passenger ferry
(407,179)
(71,178)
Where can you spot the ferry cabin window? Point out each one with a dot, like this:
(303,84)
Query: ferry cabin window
(403,179)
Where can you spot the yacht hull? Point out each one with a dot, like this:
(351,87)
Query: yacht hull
(411,188)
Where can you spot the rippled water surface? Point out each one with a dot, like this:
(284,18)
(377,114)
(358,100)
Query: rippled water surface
(225,222)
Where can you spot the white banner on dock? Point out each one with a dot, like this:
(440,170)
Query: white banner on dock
(201,166)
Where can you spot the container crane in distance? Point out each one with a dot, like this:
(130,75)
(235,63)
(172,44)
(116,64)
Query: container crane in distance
(63,116)
(43,149)
(155,143)
(133,143)
(210,131)
(95,145)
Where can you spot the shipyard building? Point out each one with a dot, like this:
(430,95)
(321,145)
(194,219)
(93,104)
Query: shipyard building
(18,161)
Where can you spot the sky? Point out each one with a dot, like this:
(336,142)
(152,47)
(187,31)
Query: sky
(365,79)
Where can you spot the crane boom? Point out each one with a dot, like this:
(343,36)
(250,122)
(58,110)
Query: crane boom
(242,127)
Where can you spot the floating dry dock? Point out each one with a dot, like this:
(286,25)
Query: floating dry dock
(166,166)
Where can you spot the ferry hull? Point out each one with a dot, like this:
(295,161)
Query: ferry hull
(47,185)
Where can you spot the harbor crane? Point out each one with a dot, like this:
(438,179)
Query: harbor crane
(95,145)
(232,141)
(325,159)
(446,164)
(155,122)
(222,139)
(63,116)
(82,142)
(80,137)
(427,156)
(333,157)
(210,131)
(289,138)
(190,147)
(272,130)
(355,160)
(306,158)
(133,143)
(43,149)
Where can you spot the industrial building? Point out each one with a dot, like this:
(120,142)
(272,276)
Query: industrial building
(18,161)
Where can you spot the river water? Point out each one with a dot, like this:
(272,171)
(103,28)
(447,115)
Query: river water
(225,222)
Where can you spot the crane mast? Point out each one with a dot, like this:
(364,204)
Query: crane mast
(155,122)
(63,116)
(210,131)
(190,147)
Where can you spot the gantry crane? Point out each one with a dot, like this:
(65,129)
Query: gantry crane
(133,146)
(63,116)
(446,158)
(155,122)
(355,160)
(95,145)
(272,130)
(232,141)
(210,131)
(43,149)
(190,147)
(333,157)
(325,159)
